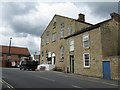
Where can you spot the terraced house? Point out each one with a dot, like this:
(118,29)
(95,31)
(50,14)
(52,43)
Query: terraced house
(76,46)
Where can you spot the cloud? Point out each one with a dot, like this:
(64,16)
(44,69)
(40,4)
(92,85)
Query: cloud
(25,21)
(10,9)
(102,9)
(32,18)
(30,42)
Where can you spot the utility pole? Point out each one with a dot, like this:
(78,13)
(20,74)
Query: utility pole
(9,55)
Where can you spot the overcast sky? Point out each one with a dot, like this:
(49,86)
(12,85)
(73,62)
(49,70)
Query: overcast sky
(25,21)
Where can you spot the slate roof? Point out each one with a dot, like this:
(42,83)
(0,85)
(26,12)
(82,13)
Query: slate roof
(87,29)
(116,17)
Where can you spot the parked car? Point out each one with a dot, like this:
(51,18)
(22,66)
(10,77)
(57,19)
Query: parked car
(28,65)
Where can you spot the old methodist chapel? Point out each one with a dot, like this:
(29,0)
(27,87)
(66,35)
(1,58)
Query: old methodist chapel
(76,46)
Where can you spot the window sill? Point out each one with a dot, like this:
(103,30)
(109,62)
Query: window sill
(47,43)
(54,41)
(71,51)
(61,61)
(61,38)
(86,48)
(85,67)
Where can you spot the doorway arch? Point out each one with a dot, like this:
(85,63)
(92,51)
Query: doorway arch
(53,58)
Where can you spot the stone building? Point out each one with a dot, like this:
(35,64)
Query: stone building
(76,46)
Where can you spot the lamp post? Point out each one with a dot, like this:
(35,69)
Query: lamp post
(9,56)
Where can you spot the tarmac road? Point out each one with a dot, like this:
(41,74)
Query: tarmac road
(50,79)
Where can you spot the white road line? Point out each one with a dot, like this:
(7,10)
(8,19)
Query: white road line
(76,86)
(45,78)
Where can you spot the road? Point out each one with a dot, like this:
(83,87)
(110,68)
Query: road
(50,79)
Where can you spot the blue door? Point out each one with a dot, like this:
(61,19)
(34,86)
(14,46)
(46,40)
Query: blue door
(106,70)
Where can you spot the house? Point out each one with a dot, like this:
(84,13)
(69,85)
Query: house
(16,53)
(76,46)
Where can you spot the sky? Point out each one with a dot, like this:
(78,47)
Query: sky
(26,21)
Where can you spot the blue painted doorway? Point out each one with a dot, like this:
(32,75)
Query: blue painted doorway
(106,70)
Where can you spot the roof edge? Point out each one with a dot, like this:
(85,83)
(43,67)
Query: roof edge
(87,29)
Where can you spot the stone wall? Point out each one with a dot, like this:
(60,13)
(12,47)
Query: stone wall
(114,66)
(54,47)
(94,50)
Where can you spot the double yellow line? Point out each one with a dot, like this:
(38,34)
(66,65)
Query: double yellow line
(7,84)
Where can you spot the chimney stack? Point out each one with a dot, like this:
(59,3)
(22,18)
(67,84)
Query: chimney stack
(81,17)
(115,16)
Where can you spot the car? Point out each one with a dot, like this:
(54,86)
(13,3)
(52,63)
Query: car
(28,65)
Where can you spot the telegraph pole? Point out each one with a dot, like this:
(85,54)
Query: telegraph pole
(9,55)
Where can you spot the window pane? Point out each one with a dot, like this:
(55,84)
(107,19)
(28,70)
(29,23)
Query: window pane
(87,63)
(42,41)
(62,52)
(62,31)
(86,44)
(85,37)
(54,37)
(47,37)
(86,60)
(71,45)
(86,56)
(69,30)
(61,34)
(42,55)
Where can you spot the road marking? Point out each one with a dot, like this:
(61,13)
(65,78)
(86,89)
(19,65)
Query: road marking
(8,85)
(76,86)
(45,78)
(92,80)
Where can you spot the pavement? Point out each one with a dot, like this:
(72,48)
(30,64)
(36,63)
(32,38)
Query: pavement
(90,78)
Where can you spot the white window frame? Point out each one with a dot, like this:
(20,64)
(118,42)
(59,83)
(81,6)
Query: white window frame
(71,45)
(70,30)
(61,52)
(84,60)
(47,37)
(86,39)
(53,37)
(62,30)
(42,42)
